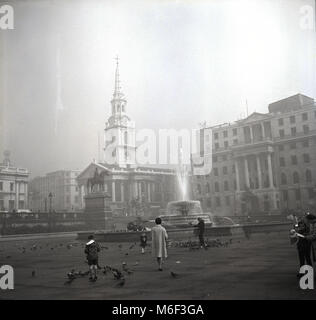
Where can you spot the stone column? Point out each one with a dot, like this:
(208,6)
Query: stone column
(237,176)
(17,195)
(247,172)
(259,171)
(262,130)
(148,192)
(113,191)
(270,170)
(122,192)
(251,133)
(26,195)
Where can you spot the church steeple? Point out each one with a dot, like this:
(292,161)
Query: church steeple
(118,101)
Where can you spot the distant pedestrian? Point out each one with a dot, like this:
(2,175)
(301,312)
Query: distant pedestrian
(92,250)
(159,242)
(302,228)
(143,242)
(200,231)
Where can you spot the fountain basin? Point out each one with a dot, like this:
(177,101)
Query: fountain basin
(184,214)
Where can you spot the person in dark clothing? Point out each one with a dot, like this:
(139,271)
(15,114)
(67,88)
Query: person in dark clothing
(92,250)
(303,245)
(201,229)
(143,242)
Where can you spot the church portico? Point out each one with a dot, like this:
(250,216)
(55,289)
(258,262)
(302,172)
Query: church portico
(126,188)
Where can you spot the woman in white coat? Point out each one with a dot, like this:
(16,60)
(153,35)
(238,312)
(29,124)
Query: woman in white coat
(159,238)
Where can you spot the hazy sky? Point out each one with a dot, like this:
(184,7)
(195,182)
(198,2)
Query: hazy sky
(181,63)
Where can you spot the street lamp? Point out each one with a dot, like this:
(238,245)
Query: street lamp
(50,196)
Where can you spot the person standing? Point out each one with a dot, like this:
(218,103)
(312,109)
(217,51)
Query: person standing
(201,230)
(143,242)
(92,250)
(159,238)
(303,245)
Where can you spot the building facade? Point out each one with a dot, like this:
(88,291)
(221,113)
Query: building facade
(263,164)
(118,185)
(56,191)
(13,186)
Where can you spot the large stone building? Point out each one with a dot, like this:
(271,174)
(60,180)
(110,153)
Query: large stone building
(265,163)
(13,186)
(118,185)
(56,191)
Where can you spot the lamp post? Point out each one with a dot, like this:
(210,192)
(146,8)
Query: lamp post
(50,196)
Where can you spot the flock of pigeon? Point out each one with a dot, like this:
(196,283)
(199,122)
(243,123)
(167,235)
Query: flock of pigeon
(195,245)
(119,275)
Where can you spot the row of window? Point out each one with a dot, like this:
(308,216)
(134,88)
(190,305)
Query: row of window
(296,177)
(11,186)
(294,160)
(298,194)
(293,145)
(294,131)
(304,117)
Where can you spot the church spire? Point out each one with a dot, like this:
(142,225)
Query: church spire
(117,89)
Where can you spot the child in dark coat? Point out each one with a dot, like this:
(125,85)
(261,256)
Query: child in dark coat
(92,250)
(143,242)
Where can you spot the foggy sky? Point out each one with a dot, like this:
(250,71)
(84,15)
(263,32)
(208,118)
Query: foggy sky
(181,63)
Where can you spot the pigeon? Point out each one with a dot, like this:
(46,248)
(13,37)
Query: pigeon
(33,273)
(8,257)
(132,246)
(104,270)
(174,275)
(68,281)
(120,246)
(126,253)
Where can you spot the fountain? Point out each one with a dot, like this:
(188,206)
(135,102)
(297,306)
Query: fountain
(185,212)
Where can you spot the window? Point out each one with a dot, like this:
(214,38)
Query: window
(306,129)
(2,205)
(226,186)
(283,178)
(304,116)
(233,169)
(226,144)
(281,148)
(282,162)
(208,189)
(216,136)
(294,160)
(285,195)
(281,122)
(235,132)
(11,186)
(308,175)
(214,158)
(293,145)
(1,186)
(310,193)
(296,178)
(216,186)
(225,171)
(198,187)
(235,141)
(215,172)
(227,200)
(281,133)
(76,199)
(224,157)
(292,119)
(216,145)
(225,134)
(218,201)
(209,203)
(306,158)
(305,143)
(298,194)
(293,131)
